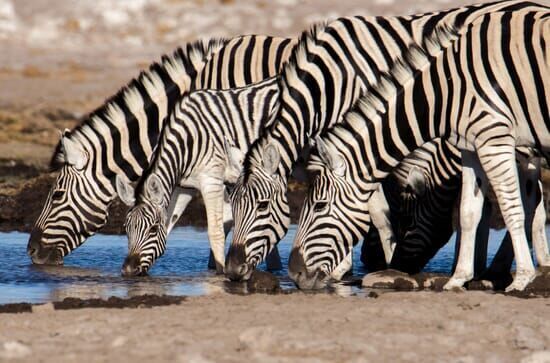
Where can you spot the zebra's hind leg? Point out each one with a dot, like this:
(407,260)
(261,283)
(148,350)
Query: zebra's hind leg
(471,206)
(498,159)
(534,191)
(213,195)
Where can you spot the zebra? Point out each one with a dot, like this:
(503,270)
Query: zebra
(202,147)
(482,107)
(318,84)
(120,136)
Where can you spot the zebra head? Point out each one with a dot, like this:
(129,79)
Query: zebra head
(76,206)
(145,225)
(334,218)
(261,214)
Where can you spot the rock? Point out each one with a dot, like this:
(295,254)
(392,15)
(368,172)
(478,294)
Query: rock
(261,281)
(537,357)
(43,308)
(390,279)
(14,349)
(528,338)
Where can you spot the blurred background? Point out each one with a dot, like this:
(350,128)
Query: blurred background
(59,59)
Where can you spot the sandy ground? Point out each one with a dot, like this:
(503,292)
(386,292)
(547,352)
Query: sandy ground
(394,327)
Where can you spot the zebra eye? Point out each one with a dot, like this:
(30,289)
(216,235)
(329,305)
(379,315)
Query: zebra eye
(263,205)
(320,206)
(154,229)
(57,195)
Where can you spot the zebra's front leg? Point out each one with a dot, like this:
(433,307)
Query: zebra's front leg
(471,206)
(499,163)
(213,196)
(380,213)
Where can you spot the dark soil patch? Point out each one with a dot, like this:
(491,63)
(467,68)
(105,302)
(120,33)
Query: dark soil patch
(142,301)
(16,308)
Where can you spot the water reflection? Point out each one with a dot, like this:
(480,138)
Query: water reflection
(93,271)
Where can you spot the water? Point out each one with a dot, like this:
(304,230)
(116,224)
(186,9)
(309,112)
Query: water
(93,270)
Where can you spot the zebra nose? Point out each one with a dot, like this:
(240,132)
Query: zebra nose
(236,268)
(236,272)
(33,247)
(131,266)
(296,266)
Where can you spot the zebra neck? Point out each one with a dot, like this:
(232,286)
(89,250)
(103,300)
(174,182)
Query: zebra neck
(411,105)
(121,135)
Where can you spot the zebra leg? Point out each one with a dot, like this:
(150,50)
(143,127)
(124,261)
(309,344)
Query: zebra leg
(380,214)
(213,195)
(179,201)
(536,220)
(471,206)
(499,163)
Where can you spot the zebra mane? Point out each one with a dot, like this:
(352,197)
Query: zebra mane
(307,38)
(404,69)
(179,67)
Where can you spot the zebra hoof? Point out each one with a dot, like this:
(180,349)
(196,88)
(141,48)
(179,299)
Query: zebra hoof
(521,280)
(455,284)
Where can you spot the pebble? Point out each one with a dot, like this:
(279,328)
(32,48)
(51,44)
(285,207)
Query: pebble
(390,279)
(14,350)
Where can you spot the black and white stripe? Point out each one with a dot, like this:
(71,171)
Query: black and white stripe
(120,136)
(482,107)
(202,148)
(332,63)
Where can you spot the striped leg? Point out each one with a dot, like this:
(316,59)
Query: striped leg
(380,214)
(499,163)
(213,195)
(536,213)
(471,206)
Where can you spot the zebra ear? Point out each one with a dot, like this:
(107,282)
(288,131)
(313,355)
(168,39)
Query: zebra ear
(416,181)
(271,159)
(125,191)
(331,157)
(234,159)
(73,153)
(153,187)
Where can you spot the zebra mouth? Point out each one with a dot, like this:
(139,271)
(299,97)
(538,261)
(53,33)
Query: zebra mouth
(317,281)
(46,256)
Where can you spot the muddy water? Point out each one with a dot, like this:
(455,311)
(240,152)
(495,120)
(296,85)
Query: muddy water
(92,271)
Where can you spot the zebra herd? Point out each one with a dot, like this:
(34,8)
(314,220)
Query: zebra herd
(396,116)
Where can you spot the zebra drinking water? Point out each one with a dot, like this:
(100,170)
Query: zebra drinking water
(120,136)
(202,147)
(480,106)
(318,85)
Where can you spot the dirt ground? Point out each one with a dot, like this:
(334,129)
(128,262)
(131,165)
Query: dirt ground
(394,327)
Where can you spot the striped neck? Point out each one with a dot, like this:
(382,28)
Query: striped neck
(407,108)
(121,135)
